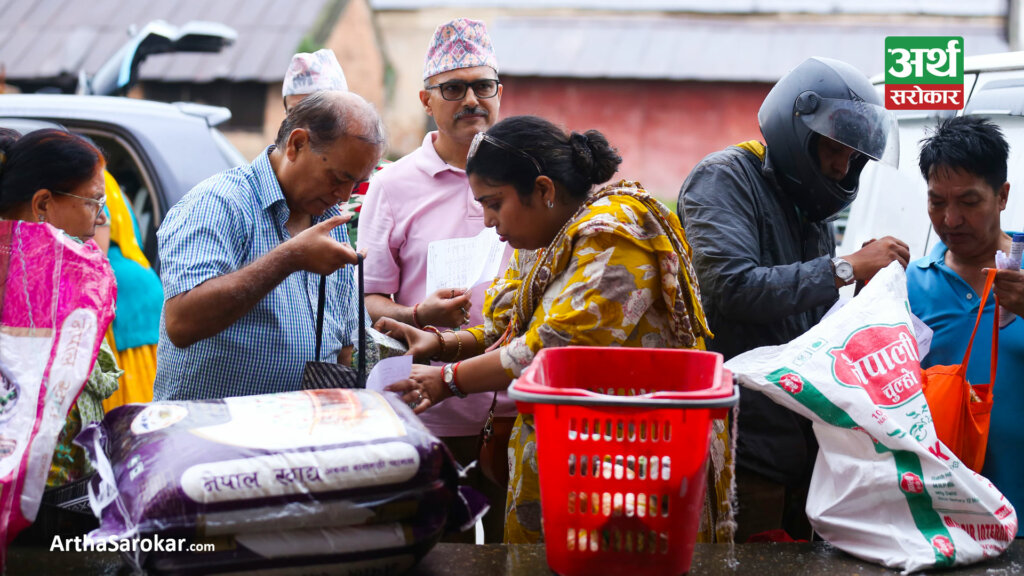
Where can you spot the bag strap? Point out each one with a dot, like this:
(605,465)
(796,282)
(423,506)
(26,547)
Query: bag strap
(989,280)
(488,430)
(321,301)
(362,322)
(995,344)
(320,315)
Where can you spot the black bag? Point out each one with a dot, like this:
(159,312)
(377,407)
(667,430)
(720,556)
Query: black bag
(63,511)
(331,374)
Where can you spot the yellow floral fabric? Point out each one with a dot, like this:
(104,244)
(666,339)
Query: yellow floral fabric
(618,274)
(612,278)
(139,366)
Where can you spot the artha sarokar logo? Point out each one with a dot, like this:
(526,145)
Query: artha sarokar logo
(924,72)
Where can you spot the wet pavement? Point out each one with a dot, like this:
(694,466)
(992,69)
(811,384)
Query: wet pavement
(529,560)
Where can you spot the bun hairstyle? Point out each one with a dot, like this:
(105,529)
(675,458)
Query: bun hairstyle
(575,162)
(51,159)
(7,139)
(593,155)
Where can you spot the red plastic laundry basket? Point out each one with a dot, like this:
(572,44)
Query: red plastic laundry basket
(622,446)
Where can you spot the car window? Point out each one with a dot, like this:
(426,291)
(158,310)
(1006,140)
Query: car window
(892,202)
(1013,129)
(136,185)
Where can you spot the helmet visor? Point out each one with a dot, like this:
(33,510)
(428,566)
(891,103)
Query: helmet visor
(865,127)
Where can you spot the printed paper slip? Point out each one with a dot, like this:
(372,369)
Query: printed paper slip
(463,262)
(389,371)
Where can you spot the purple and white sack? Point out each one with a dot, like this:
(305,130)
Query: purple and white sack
(389,548)
(239,463)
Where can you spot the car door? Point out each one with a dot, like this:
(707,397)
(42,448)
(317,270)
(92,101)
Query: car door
(129,164)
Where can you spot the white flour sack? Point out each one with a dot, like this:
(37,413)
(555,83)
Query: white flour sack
(884,488)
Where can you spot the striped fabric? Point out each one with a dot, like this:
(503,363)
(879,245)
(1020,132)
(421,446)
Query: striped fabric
(223,224)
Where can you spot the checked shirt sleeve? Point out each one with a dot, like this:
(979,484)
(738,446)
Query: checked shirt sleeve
(204,236)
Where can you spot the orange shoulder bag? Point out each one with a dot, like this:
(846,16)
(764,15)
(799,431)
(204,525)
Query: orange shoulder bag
(961,411)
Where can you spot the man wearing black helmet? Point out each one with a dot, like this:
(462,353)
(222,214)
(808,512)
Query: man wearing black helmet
(759,220)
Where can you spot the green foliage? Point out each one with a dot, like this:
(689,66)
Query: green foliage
(308,44)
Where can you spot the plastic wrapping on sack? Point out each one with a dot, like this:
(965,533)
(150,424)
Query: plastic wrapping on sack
(391,548)
(884,488)
(56,301)
(321,457)
(374,509)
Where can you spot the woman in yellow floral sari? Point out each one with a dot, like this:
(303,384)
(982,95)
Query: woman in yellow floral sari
(608,267)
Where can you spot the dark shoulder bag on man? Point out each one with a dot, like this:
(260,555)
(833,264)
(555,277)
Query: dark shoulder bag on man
(331,374)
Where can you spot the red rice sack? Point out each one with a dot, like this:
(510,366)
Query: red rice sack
(56,301)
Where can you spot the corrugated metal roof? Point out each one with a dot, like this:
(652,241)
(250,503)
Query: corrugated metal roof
(937,7)
(683,48)
(44,39)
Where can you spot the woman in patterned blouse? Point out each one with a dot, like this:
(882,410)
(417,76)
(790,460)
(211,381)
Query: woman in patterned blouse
(592,267)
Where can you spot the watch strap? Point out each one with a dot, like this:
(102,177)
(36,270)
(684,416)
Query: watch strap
(450,382)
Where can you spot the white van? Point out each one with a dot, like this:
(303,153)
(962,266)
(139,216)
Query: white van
(893,202)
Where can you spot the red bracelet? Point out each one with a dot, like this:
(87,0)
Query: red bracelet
(440,339)
(455,373)
(415,318)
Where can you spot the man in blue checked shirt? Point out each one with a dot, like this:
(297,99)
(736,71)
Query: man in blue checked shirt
(241,255)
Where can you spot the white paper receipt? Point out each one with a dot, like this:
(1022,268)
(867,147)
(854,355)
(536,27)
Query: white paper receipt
(463,262)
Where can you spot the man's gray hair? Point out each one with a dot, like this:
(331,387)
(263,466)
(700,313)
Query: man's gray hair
(330,115)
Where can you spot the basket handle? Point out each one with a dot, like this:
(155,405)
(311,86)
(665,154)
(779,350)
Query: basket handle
(527,399)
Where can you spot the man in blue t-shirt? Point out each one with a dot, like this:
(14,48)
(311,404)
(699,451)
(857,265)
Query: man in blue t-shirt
(964,163)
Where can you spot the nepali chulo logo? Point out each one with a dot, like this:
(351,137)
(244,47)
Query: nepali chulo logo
(944,546)
(924,72)
(791,382)
(883,361)
(911,483)
(1003,512)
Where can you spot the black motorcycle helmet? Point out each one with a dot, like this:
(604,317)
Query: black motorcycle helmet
(824,98)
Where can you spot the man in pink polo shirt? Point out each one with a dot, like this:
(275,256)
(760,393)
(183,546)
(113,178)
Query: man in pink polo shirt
(424,197)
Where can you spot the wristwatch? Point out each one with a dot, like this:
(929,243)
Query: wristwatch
(842,270)
(448,377)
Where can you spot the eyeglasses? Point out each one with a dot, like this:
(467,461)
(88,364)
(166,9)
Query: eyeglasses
(98,204)
(484,137)
(455,90)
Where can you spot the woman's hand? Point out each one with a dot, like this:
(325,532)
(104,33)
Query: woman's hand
(423,389)
(423,345)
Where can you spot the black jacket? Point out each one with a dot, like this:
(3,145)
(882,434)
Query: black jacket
(766,277)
